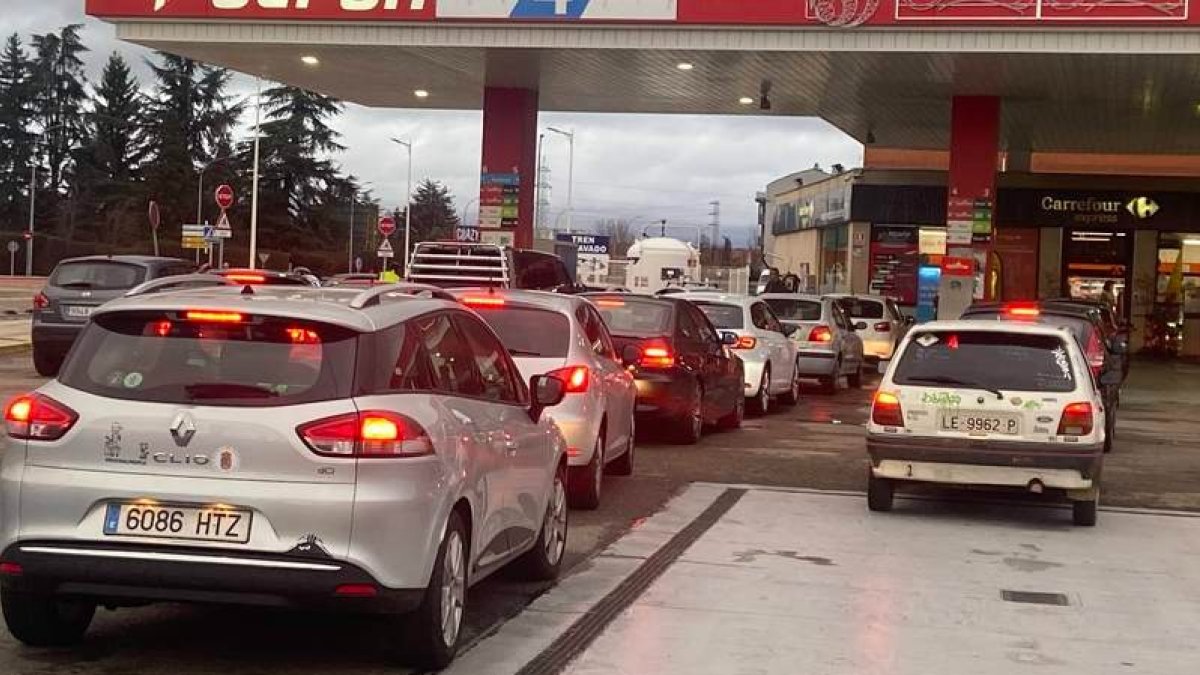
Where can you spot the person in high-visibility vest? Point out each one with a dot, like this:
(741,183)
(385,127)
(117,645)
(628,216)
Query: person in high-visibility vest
(389,277)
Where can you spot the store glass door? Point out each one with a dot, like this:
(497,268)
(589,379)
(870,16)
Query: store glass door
(1093,258)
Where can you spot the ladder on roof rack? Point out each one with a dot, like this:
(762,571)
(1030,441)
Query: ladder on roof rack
(453,263)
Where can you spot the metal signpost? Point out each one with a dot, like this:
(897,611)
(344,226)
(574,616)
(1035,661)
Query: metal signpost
(224,197)
(13,247)
(155,218)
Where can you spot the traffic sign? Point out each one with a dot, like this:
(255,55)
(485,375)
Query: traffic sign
(224,229)
(224,196)
(387,226)
(385,250)
(13,247)
(154,215)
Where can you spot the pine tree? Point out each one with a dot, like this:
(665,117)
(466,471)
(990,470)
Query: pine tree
(433,215)
(59,94)
(16,114)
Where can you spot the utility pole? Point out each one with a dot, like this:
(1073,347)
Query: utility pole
(544,187)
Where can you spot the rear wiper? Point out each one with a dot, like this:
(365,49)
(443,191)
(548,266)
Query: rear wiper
(76,284)
(522,352)
(945,379)
(227,390)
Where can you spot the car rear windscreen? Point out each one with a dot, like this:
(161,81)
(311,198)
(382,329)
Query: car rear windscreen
(222,359)
(97,275)
(1082,329)
(634,317)
(862,309)
(987,359)
(724,317)
(530,332)
(795,310)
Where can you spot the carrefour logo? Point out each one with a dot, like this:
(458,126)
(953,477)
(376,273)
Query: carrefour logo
(1142,207)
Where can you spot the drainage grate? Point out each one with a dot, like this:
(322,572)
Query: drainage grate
(588,627)
(1035,598)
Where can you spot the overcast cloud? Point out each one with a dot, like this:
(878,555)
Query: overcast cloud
(641,167)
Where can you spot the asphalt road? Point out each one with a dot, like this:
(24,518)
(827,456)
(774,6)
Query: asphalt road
(817,444)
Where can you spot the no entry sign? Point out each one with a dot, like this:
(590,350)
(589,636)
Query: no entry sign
(224,196)
(387,226)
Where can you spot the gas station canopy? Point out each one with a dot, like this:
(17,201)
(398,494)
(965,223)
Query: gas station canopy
(1115,76)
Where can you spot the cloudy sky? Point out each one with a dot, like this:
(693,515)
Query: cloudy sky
(639,167)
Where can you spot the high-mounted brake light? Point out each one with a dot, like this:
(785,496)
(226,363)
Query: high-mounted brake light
(368,434)
(1023,311)
(575,378)
(820,334)
(886,410)
(483,301)
(609,302)
(745,342)
(35,417)
(214,317)
(1076,420)
(243,278)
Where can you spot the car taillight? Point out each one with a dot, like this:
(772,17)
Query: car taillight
(34,417)
(886,411)
(241,278)
(1076,420)
(745,342)
(368,434)
(820,334)
(576,378)
(657,354)
(883,327)
(40,301)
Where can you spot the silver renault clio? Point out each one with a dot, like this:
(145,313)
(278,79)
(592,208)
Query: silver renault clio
(375,451)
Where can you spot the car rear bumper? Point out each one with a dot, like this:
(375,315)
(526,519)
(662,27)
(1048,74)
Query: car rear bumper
(56,335)
(816,363)
(985,462)
(137,573)
(662,394)
(878,349)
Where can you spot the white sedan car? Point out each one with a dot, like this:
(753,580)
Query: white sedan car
(768,355)
(989,403)
(827,343)
(565,336)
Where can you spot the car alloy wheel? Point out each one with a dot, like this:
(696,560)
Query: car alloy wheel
(454,588)
(554,529)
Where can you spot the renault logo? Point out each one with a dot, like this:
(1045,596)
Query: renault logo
(182,429)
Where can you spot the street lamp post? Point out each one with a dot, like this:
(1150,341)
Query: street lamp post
(353,204)
(254,179)
(33,197)
(570,174)
(407,203)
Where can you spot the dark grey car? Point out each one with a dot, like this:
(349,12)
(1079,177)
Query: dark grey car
(79,285)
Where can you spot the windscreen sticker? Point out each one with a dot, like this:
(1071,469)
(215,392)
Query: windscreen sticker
(941,398)
(133,380)
(1060,358)
(1032,404)
(927,340)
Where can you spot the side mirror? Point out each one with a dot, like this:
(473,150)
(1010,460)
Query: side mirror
(729,339)
(547,392)
(861,325)
(883,366)
(630,355)
(910,320)
(1111,378)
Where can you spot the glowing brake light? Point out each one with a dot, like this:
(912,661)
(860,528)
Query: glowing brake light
(657,354)
(1076,420)
(40,301)
(379,429)
(820,334)
(214,317)
(243,278)
(483,301)
(35,417)
(370,434)
(1022,311)
(886,410)
(745,342)
(303,336)
(609,302)
(576,378)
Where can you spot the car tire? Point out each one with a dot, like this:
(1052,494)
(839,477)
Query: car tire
(792,396)
(46,361)
(544,560)
(881,494)
(1084,513)
(623,465)
(690,425)
(855,379)
(587,481)
(733,420)
(42,620)
(432,641)
(829,383)
(761,403)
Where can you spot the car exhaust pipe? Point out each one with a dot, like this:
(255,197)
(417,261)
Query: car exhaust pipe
(1036,486)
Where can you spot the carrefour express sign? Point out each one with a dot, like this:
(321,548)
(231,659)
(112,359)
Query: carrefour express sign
(836,13)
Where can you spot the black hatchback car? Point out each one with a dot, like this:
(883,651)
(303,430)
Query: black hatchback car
(1104,351)
(685,375)
(76,287)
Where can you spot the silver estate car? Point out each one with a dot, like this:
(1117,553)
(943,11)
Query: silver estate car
(565,336)
(826,341)
(762,343)
(368,451)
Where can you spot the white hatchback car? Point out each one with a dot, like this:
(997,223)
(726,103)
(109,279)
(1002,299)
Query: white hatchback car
(881,323)
(992,404)
(366,452)
(763,344)
(564,336)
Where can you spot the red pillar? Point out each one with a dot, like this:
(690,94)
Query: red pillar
(508,180)
(974,146)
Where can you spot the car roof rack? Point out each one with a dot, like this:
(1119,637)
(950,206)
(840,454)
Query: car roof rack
(179,283)
(375,295)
